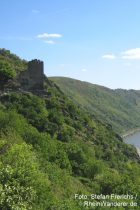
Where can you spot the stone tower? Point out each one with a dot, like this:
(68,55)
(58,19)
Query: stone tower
(33,77)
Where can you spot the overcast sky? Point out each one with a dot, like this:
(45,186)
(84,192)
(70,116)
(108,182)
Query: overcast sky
(92,40)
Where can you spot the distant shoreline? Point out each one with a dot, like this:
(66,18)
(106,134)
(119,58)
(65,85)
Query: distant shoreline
(131,132)
(138,150)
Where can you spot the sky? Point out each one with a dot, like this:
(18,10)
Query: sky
(97,41)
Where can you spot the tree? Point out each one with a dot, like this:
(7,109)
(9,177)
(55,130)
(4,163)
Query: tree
(22,185)
(6,72)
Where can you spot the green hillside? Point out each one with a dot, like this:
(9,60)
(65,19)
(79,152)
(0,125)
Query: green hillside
(119,108)
(10,66)
(51,149)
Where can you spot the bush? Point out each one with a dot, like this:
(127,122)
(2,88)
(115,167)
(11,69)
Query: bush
(6,71)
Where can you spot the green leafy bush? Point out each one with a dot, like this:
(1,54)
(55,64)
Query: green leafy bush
(6,72)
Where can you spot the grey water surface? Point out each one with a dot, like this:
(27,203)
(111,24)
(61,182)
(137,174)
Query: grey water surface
(134,139)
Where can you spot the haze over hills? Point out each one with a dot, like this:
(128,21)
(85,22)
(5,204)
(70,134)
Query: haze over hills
(120,108)
(51,149)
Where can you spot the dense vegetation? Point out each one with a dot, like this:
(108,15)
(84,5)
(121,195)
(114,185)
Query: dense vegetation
(50,150)
(119,108)
(10,66)
(12,60)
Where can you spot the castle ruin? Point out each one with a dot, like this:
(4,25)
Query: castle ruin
(33,77)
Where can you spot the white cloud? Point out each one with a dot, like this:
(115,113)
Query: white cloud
(84,70)
(49,42)
(47,36)
(131,54)
(109,56)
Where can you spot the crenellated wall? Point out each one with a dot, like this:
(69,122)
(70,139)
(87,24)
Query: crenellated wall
(32,78)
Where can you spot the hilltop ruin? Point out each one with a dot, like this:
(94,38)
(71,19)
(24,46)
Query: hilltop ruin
(33,77)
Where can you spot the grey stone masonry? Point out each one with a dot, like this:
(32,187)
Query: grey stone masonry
(33,77)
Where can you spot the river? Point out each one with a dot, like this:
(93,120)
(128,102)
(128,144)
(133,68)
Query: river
(134,139)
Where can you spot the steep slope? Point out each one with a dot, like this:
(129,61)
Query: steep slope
(13,60)
(50,150)
(10,66)
(120,108)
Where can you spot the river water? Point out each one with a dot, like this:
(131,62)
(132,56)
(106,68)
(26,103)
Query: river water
(134,139)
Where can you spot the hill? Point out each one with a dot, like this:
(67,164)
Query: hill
(52,150)
(119,108)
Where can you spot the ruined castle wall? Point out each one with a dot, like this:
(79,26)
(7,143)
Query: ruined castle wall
(23,79)
(36,73)
(33,77)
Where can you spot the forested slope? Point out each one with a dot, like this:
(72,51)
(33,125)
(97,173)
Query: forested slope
(50,150)
(119,108)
